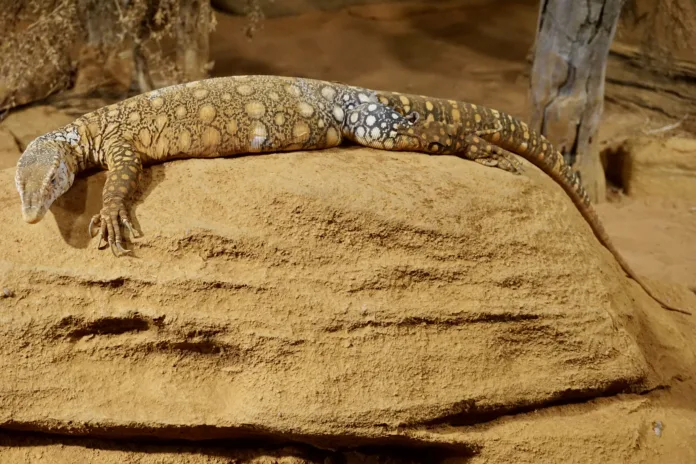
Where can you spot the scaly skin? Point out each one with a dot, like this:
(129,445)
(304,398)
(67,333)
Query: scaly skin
(260,114)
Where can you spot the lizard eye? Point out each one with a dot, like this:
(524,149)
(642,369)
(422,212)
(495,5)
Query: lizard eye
(412,117)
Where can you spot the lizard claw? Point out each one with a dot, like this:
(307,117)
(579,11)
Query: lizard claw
(109,222)
(92,223)
(126,222)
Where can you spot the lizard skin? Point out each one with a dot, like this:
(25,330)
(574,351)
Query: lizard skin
(258,114)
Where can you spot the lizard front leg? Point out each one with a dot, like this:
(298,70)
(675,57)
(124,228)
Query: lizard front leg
(125,168)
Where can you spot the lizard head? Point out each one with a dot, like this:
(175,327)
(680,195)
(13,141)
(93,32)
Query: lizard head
(45,171)
(378,126)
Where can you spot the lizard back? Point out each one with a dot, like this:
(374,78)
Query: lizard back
(222,116)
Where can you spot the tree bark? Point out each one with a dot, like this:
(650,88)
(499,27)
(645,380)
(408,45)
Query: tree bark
(567,80)
(192,39)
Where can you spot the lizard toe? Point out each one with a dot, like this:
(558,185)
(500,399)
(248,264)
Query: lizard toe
(127,223)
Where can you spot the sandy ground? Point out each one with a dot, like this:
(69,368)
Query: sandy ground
(445,51)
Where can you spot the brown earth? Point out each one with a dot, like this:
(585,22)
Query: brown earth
(349,301)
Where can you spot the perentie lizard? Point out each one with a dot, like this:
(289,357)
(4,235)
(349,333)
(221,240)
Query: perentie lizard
(256,114)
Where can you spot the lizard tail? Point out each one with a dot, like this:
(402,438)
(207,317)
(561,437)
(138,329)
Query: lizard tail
(543,155)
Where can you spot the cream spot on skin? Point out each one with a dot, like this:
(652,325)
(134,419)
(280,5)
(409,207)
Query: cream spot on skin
(473,149)
(496,136)
(525,135)
(544,146)
(523,146)
(384,100)
(332,137)
(370,120)
(477,118)
(210,137)
(321,123)
(338,113)
(255,109)
(245,90)
(157,103)
(257,136)
(360,132)
(145,137)
(226,96)
(134,116)
(305,109)
(328,92)
(430,117)
(404,100)
(279,119)
(456,115)
(354,118)
(161,147)
(193,84)
(293,90)
(113,113)
(206,113)
(161,121)
(184,140)
(232,127)
(371,107)
(200,93)
(429,105)
(301,132)
(375,132)
(274,96)
(363,98)
(180,111)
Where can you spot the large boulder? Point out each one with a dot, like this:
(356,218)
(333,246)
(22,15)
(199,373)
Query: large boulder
(345,297)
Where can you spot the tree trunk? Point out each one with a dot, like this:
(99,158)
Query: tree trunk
(192,39)
(567,80)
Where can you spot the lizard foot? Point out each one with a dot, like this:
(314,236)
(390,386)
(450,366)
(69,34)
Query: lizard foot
(505,161)
(488,154)
(108,222)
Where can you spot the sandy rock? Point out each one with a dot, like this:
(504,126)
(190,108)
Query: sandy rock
(9,150)
(662,168)
(339,297)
